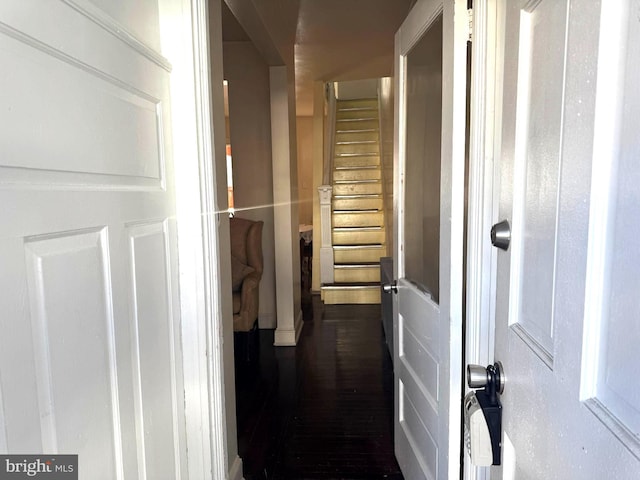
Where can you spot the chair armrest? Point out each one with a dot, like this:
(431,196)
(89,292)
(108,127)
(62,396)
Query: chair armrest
(249,297)
(250,282)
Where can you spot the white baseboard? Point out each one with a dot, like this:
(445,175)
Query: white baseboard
(235,473)
(289,337)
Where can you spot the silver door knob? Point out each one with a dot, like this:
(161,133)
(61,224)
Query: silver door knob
(491,376)
(501,235)
(477,376)
(390,287)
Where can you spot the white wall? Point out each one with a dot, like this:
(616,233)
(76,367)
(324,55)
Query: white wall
(250,133)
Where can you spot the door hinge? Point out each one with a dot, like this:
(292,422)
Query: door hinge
(470,20)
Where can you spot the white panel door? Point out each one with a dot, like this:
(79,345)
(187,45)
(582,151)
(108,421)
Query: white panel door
(567,306)
(429,188)
(89,352)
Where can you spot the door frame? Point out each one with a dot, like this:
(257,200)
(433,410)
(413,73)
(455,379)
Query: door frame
(193,46)
(484,148)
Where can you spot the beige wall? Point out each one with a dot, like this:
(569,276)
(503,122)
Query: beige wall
(357,89)
(250,133)
(305,169)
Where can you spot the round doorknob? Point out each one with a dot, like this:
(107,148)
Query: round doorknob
(477,376)
(501,235)
(390,287)
(490,377)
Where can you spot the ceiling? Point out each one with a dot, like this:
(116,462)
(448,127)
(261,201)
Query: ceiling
(327,40)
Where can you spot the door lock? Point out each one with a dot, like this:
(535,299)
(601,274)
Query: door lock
(483,414)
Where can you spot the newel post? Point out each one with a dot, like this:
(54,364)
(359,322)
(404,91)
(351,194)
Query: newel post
(326,247)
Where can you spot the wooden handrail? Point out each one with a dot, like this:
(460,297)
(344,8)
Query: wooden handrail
(329,133)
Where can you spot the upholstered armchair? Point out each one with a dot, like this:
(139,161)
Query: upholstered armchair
(246,271)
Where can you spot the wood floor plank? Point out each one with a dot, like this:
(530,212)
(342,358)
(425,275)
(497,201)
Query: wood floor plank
(324,409)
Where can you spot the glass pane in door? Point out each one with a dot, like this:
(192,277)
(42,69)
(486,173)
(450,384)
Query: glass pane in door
(422,169)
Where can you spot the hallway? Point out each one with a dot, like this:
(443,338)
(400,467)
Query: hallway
(322,410)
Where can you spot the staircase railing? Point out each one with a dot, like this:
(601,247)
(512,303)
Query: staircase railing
(325,190)
(329,134)
(385,129)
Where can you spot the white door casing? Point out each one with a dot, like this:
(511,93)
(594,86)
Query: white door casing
(566,313)
(428,318)
(484,146)
(91,353)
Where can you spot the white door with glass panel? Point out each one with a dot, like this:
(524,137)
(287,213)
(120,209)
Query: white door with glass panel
(567,311)
(429,188)
(90,359)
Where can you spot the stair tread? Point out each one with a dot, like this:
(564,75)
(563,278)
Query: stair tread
(358,154)
(354,285)
(358,167)
(340,212)
(357,229)
(350,109)
(356,142)
(368,210)
(359,195)
(343,155)
(359,247)
(357,265)
(346,120)
(358,130)
(342,182)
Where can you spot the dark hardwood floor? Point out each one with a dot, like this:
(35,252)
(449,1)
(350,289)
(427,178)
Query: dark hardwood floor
(324,409)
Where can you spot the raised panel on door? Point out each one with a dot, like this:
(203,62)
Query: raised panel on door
(74,116)
(610,385)
(153,350)
(72,325)
(537,162)
(89,362)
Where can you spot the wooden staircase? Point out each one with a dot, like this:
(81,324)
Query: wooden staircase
(358,217)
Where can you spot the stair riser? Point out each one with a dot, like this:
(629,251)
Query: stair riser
(359,114)
(357,103)
(338,297)
(364,174)
(363,161)
(358,238)
(359,148)
(356,124)
(357,204)
(358,255)
(356,136)
(356,275)
(374,219)
(356,188)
